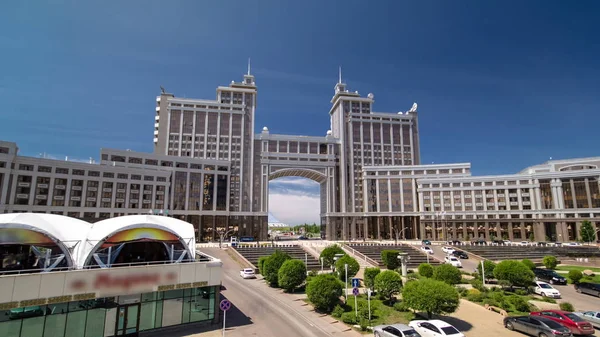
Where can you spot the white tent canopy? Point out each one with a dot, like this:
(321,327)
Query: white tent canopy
(101,230)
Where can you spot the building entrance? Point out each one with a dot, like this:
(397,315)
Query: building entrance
(128,320)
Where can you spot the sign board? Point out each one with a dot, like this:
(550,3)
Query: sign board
(355,282)
(355,291)
(225,305)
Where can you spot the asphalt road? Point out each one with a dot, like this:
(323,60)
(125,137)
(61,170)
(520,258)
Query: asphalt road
(260,311)
(469,265)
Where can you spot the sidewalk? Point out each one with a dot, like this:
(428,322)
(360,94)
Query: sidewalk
(475,321)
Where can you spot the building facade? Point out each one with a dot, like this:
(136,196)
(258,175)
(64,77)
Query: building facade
(209,168)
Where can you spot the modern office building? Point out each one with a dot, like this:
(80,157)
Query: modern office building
(209,168)
(64,277)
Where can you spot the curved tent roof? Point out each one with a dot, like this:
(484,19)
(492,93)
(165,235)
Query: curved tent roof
(109,228)
(66,231)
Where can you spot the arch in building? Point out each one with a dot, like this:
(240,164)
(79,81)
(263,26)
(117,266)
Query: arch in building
(311,174)
(138,239)
(577,167)
(49,241)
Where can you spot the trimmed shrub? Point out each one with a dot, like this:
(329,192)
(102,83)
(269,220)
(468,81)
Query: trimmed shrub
(401,306)
(349,318)
(462,291)
(291,275)
(353,267)
(338,311)
(390,259)
(477,284)
(566,306)
(261,263)
(528,263)
(550,261)
(271,267)
(388,283)
(519,303)
(426,270)
(521,292)
(514,273)
(329,253)
(575,275)
(447,273)
(474,295)
(488,267)
(324,292)
(430,296)
(369,277)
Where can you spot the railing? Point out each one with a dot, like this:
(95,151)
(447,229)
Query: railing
(360,255)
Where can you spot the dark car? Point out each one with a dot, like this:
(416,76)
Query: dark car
(479,242)
(549,276)
(588,288)
(454,242)
(536,326)
(426,242)
(460,254)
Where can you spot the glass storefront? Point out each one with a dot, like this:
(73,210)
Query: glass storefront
(112,316)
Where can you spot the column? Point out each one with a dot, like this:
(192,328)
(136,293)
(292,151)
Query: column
(588,194)
(353,229)
(539,231)
(378,227)
(510,231)
(344,228)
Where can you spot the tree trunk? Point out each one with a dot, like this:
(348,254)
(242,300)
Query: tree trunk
(429,315)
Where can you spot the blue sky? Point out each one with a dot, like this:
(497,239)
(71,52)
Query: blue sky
(500,84)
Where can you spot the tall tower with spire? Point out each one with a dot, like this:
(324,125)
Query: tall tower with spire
(249,78)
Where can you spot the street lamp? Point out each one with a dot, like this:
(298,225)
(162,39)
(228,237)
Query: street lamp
(335,258)
(441,216)
(346,292)
(222,235)
(404,258)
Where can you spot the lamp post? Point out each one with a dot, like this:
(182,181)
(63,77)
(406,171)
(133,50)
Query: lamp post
(404,258)
(594,236)
(222,236)
(346,292)
(335,258)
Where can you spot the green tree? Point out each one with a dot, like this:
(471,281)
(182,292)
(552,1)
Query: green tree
(271,267)
(575,275)
(369,277)
(550,261)
(430,296)
(390,259)
(261,264)
(426,270)
(329,253)
(513,272)
(488,268)
(353,267)
(324,292)
(447,273)
(388,283)
(528,263)
(587,231)
(291,275)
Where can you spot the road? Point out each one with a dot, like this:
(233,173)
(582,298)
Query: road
(469,265)
(262,311)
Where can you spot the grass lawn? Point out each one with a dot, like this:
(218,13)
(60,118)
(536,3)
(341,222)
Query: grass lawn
(380,312)
(594,279)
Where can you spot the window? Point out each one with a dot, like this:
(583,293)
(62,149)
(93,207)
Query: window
(450,330)
(46,169)
(108,175)
(93,173)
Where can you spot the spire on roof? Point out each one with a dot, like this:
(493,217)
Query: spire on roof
(248,66)
(340,75)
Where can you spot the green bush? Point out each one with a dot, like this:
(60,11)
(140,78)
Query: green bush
(496,298)
(566,306)
(514,273)
(401,306)
(488,267)
(369,277)
(462,291)
(390,259)
(388,283)
(338,311)
(349,318)
(528,263)
(426,270)
(324,292)
(447,273)
(474,295)
(353,267)
(477,284)
(550,261)
(291,275)
(329,253)
(430,296)
(519,303)
(271,267)
(575,275)
(521,292)
(261,262)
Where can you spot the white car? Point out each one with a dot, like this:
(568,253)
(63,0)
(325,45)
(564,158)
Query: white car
(447,250)
(453,260)
(546,290)
(435,328)
(427,249)
(524,243)
(247,273)
(573,244)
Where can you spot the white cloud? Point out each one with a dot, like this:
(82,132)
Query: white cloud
(295,209)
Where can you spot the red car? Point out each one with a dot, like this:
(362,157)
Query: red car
(576,324)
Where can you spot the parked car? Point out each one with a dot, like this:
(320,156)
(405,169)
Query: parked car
(435,328)
(524,243)
(536,326)
(426,242)
(549,276)
(588,288)
(394,330)
(447,249)
(454,242)
(247,273)
(453,260)
(576,324)
(499,242)
(479,242)
(427,249)
(460,254)
(571,244)
(591,316)
(546,290)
